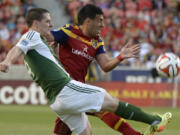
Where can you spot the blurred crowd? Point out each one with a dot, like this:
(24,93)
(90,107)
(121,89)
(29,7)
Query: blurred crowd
(155,24)
(12,24)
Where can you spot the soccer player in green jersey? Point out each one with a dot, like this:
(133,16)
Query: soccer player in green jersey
(70,99)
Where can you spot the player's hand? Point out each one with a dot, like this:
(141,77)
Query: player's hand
(4,67)
(53,44)
(130,51)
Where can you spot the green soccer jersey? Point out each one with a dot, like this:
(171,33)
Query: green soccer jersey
(42,64)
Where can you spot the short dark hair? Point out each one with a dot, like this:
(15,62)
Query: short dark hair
(88,11)
(35,14)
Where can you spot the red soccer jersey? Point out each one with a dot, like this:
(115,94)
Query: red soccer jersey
(76,50)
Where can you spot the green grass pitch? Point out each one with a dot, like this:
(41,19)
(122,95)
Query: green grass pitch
(39,120)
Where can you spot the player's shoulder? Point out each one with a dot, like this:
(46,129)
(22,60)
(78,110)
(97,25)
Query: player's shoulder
(63,28)
(31,35)
(67,26)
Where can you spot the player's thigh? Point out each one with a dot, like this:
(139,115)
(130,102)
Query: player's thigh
(110,103)
(78,97)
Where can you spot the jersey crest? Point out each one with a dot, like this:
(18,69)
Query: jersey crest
(24,42)
(94,43)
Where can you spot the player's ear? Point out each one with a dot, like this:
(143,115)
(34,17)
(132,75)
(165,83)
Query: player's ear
(35,23)
(87,20)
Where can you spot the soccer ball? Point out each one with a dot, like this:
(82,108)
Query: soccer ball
(168,65)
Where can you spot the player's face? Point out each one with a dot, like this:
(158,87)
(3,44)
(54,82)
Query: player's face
(45,24)
(95,25)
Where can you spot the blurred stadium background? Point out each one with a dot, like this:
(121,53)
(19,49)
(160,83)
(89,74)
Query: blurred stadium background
(153,23)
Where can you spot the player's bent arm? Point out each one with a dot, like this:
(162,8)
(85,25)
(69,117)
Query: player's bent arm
(127,51)
(12,55)
(106,63)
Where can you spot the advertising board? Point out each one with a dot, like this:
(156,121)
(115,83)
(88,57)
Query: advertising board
(141,94)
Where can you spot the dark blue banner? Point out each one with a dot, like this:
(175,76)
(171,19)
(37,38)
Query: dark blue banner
(137,75)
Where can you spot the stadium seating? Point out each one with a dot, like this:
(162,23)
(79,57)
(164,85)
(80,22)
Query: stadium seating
(155,24)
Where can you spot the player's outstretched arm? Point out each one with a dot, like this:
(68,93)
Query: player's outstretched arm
(12,55)
(128,51)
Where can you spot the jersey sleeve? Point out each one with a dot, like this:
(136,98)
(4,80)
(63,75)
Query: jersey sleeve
(100,48)
(29,41)
(59,35)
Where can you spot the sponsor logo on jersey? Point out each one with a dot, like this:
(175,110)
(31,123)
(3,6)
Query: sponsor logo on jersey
(85,49)
(82,53)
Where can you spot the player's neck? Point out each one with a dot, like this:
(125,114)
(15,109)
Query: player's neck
(34,29)
(84,31)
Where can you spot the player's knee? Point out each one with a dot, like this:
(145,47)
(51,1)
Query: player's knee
(87,130)
(110,103)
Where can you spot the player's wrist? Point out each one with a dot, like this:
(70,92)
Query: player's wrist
(120,58)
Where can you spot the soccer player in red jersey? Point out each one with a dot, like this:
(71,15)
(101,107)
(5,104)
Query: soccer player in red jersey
(70,99)
(79,46)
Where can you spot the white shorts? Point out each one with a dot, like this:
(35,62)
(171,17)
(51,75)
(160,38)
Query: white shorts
(74,100)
